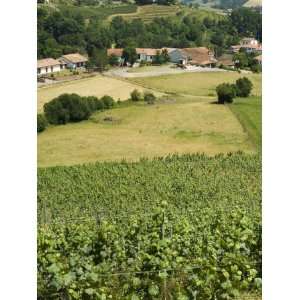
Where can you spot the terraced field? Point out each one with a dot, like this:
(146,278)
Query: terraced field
(148,12)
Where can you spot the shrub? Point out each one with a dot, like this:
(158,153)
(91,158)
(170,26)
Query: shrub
(55,112)
(67,107)
(243,87)
(108,102)
(149,98)
(136,95)
(256,68)
(41,123)
(226,92)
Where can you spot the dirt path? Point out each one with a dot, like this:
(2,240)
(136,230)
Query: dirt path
(164,70)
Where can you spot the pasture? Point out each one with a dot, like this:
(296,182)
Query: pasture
(187,126)
(197,84)
(94,86)
(249,113)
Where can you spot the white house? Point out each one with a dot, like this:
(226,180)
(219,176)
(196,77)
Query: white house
(48,66)
(74,60)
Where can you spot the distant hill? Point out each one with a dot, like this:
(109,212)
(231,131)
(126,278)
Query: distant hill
(253,3)
(224,4)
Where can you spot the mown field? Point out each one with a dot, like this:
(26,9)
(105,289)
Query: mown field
(167,228)
(197,84)
(95,86)
(172,126)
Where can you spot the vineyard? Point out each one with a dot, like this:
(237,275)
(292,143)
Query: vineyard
(179,227)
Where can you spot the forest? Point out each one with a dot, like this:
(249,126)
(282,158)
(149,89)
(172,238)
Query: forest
(62,32)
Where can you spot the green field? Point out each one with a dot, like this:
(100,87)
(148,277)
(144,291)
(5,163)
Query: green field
(181,126)
(197,84)
(174,226)
(249,113)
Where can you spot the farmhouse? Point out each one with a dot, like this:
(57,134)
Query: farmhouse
(200,56)
(117,52)
(74,60)
(226,60)
(146,54)
(248,44)
(49,65)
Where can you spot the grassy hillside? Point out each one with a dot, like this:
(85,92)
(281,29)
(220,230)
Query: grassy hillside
(189,126)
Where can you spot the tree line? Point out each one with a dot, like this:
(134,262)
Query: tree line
(62,32)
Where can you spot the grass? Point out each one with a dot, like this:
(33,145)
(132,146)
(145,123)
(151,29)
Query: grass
(249,112)
(144,131)
(94,86)
(197,84)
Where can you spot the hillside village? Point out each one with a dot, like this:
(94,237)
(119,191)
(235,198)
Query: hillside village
(182,57)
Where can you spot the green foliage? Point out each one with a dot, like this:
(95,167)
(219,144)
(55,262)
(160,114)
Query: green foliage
(243,87)
(41,123)
(149,97)
(226,93)
(135,95)
(140,230)
(73,108)
(130,55)
(113,60)
(108,102)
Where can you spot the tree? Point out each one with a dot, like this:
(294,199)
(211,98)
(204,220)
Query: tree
(136,95)
(99,59)
(108,102)
(241,60)
(130,55)
(149,98)
(113,60)
(243,87)
(226,92)
(41,123)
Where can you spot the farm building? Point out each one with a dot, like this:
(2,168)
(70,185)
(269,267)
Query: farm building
(49,65)
(226,60)
(74,60)
(200,56)
(146,54)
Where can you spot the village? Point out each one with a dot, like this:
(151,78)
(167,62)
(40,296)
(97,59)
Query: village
(195,59)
